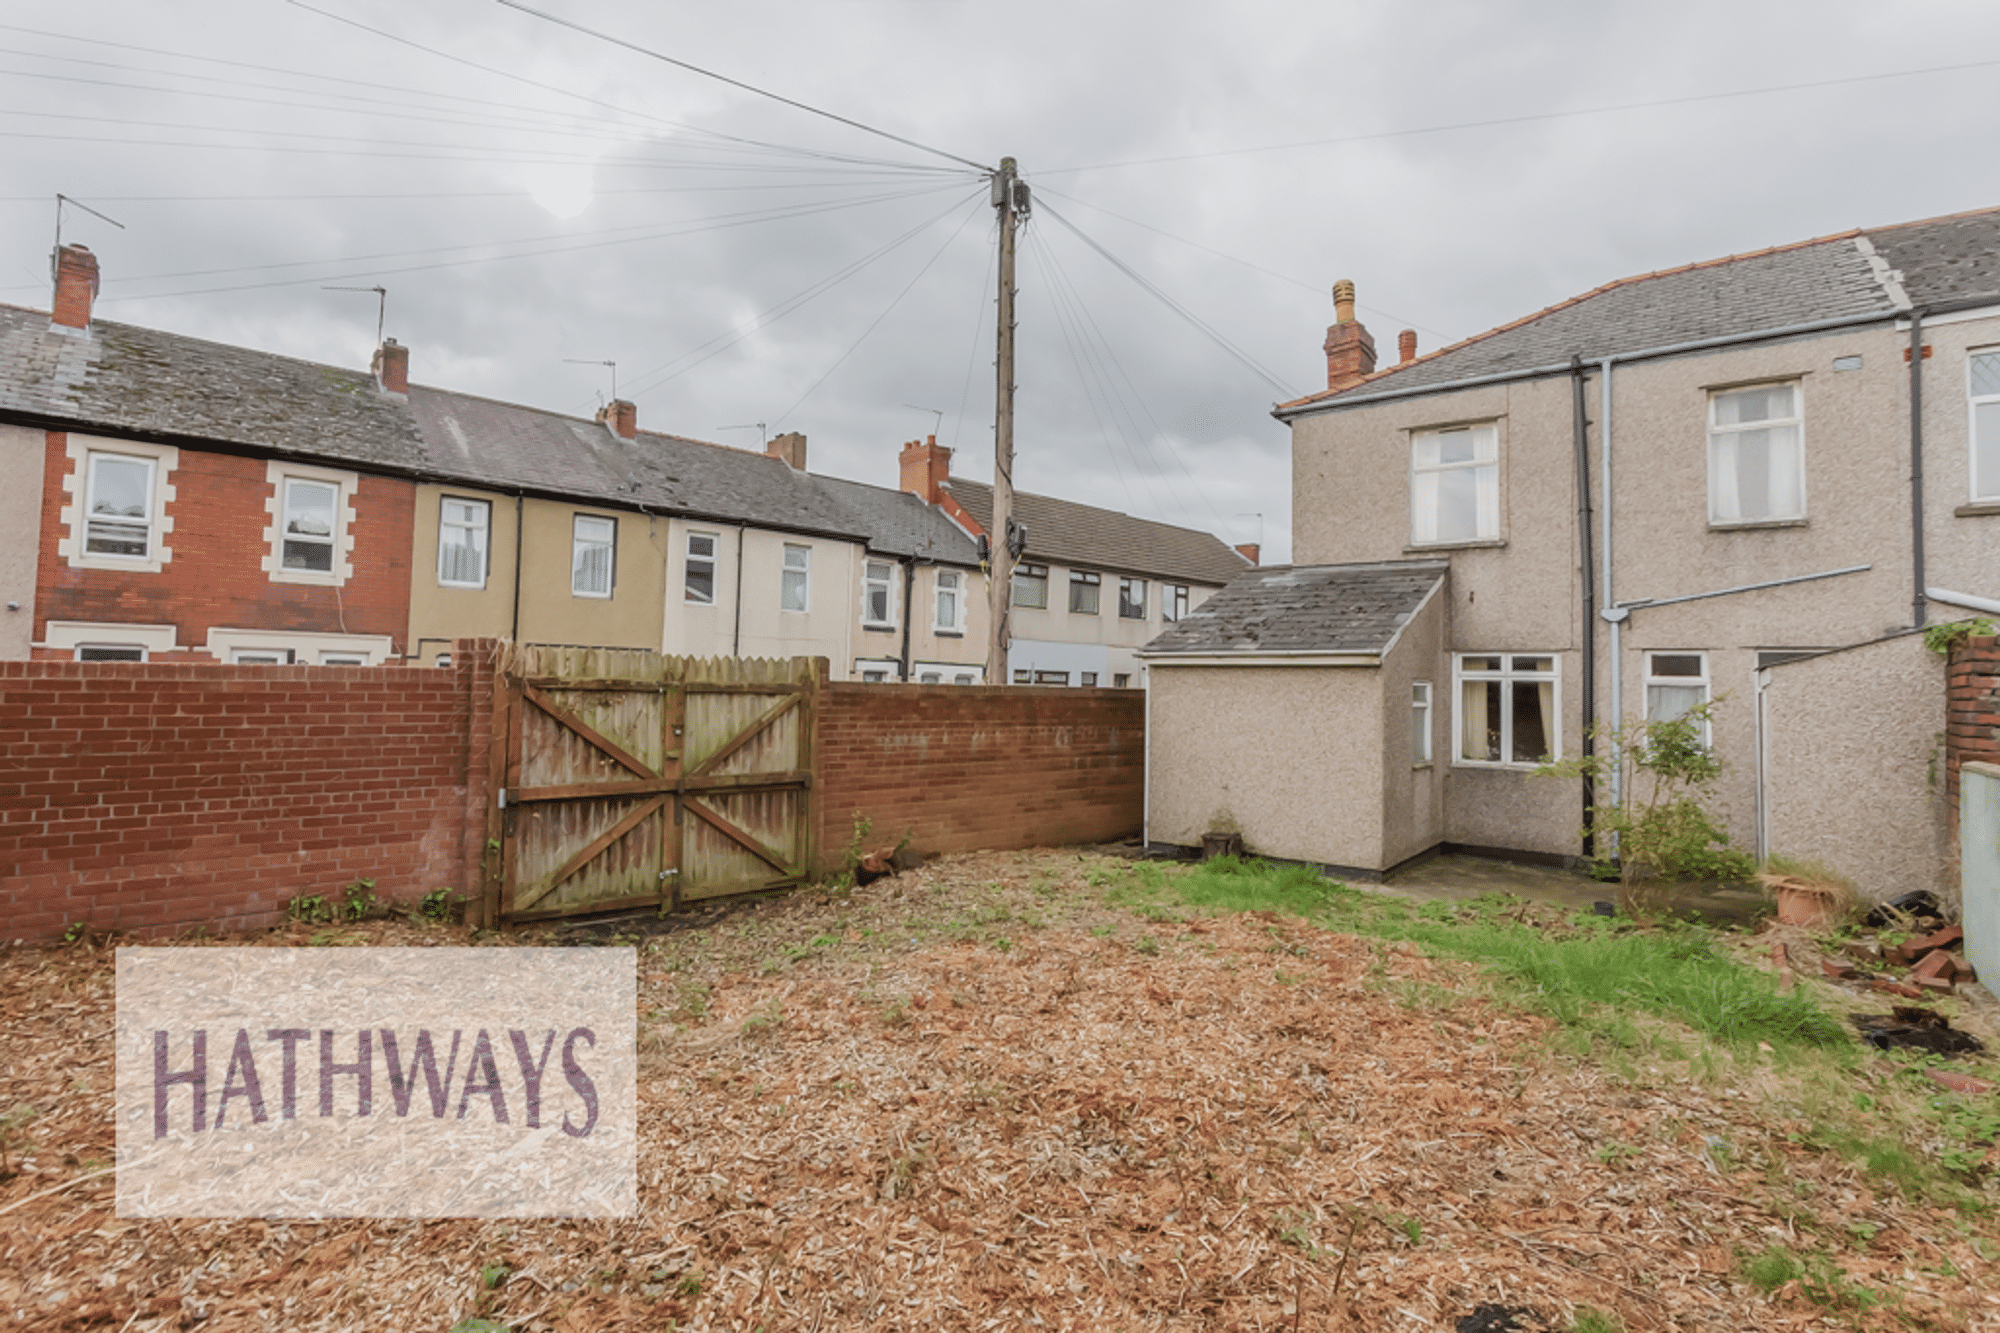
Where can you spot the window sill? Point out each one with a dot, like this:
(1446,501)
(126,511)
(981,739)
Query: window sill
(948,633)
(1977,508)
(868,628)
(1495,766)
(1415,548)
(1753,524)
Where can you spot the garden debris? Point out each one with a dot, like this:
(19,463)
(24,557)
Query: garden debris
(1916,1027)
(1911,951)
(1781,963)
(1086,1123)
(1920,905)
(1501,1319)
(1956,1082)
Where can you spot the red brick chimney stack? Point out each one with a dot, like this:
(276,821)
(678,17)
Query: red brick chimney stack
(1406,347)
(621,417)
(76,286)
(791,446)
(1251,551)
(392,367)
(926,467)
(1350,349)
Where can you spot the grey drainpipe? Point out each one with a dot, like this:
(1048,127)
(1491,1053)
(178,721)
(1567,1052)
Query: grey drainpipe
(1589,710)
(736,635)
(1613,614)
(1917,463)
(520,540)
(909,590)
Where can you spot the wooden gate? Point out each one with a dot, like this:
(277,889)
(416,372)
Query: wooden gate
(637,780)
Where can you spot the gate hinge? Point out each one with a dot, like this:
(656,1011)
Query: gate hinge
(503,798)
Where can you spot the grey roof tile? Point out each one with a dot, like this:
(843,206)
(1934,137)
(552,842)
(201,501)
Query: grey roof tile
(900,524)
(1064,532)
(1306,608)
(1946,259)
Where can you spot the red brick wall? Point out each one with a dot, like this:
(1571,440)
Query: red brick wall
(962,768)
(152,797)
(1972,717)
(216,575)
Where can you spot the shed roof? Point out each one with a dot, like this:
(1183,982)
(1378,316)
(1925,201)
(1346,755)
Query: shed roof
(1067,533)
(1305,609)
(1939,261)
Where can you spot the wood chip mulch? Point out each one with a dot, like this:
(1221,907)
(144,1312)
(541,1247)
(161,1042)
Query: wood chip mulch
(1248,1124)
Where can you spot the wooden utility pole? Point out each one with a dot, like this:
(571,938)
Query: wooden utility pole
(1010,197)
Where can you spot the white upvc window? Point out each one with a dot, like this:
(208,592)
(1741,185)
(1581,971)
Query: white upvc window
(463,528)
(118,515)
(1420,723)
(260,657)
(1173,602)
(1984,371)
(950,602)
(930,678)
(343,659)
(878,593)
(1675,683)
(795,590)
(109,652)
(592,563)
(1031,585)
(310,513)
(698,579)
(1052,678)
(1087,678)
(1083,589)
(1455,485)
(1509,709)
(1131,599)
(965,678)
(1756,454)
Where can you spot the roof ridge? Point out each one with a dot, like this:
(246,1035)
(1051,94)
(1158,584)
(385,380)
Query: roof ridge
(1599,290)
(96,324)
(574,419)
(1119,513)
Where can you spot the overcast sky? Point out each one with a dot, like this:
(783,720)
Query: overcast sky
(744,261)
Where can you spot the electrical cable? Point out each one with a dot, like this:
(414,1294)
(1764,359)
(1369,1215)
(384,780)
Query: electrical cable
(886,311)
(1192,319)
(972,355)
(737,83)
(1532,117)
(1064,319)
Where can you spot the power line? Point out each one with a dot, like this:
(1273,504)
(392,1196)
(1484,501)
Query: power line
(737,83)
(1531,117)
(1195,321)
(857,179)
(972,355)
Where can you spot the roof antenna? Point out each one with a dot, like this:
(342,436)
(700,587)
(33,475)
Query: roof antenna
(62,199)
(573,361)
(381,305)
(757,426)
(937,424)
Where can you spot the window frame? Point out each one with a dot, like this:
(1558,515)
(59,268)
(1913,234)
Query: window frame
(484,545)
(1053,679)
(690,561)
(1080,579)
(151,465)
(955,623)
(1797,421)
(288,539)
(1486,500)
(886,586)
(1975,401)
(73,541)
(1704,682)
(579,544)
(1132,594)
(1173,603)
(77,653)
(281,476)
(1422,700)
(1035,575)
(803,569)
(1507,676)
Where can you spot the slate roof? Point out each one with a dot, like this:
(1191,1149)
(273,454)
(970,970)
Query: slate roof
(506,446)
(900,524)
(1305,609)
(1939,261)
(123,378)
(1063,532)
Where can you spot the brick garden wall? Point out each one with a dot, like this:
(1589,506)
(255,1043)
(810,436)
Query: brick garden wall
(1972,720)
(150,797)
(961,768)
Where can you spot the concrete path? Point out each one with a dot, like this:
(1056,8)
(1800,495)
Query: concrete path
(1457,878)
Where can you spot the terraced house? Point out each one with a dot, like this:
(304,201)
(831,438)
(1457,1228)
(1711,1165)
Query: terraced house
(1747,481)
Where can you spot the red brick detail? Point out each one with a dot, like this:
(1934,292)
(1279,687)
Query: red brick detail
(151,798)
(76,286)
(622,417)
(966,768)
(1251,551)
(1972,718)
(216,575)
(1350,348)
(392,367)
(926,466)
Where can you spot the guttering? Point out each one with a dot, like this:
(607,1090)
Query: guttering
(1279,657)
(1579,417)
(1346,400)
(1611,613)
(1964,599)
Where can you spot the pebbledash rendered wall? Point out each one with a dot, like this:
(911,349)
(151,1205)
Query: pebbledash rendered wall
(963,768)
(152,798)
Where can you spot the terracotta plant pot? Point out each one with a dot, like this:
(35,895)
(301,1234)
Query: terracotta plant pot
(1810,906)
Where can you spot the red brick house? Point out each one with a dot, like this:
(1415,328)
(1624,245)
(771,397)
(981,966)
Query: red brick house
(169,498)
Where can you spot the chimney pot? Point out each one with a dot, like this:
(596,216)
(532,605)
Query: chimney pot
(1350,348)
(392,367)
(76,286)
(925,468)
(620,418)
(1343,301)
(1406,347)
(1251,551)
(791,446)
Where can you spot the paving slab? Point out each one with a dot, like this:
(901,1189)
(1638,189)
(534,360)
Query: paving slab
(1456,878)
